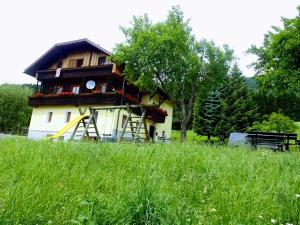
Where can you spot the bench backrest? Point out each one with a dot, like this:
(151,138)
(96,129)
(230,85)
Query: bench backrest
(272,134)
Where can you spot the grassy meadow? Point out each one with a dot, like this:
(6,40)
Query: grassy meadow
(87,183)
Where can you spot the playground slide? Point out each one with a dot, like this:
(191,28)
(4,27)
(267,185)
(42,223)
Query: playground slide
(66,128)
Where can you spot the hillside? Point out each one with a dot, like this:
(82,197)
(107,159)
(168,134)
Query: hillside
(87,183)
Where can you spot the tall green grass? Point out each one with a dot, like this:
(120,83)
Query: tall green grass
(191,136)
(88,183)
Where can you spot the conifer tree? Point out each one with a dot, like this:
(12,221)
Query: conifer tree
(238,110)
(207,113)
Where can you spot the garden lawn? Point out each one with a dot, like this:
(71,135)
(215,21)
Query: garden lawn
(87,183)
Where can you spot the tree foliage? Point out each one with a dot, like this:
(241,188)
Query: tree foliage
(277,122)
(278,64)
(166,55)
(286,102)
(228,109)
(238,110)
(14,110)
(207,114)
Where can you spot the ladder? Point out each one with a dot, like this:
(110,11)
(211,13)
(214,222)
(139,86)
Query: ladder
(86,127)
(136,125)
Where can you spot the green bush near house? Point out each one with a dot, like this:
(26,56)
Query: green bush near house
(89,183)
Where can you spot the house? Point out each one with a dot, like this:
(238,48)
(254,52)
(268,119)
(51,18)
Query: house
(78,78)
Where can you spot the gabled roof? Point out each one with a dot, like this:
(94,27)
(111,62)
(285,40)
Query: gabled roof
(60,50)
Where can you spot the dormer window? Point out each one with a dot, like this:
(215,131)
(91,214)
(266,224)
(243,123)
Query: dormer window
(101,60)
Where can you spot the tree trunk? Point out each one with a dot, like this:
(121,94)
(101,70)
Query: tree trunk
(186,108)
(183,131)
(208,138)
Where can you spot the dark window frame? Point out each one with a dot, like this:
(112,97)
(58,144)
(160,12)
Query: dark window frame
(79,63)
(100,60)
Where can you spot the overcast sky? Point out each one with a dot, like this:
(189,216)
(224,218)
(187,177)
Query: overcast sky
(31,27)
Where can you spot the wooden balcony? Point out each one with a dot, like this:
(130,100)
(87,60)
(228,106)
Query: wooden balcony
(76,100)
(90,71)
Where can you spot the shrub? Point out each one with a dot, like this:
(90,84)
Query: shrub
(277,122)
(14,110)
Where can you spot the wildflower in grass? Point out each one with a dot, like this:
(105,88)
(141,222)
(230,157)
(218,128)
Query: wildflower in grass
(213,210)
(288,224)
(297,195)
(260,217)
(273,221)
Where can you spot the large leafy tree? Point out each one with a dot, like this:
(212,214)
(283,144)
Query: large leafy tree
(14,110)
(278,64)
(166,55)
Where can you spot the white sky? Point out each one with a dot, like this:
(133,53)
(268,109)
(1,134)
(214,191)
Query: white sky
(30,27)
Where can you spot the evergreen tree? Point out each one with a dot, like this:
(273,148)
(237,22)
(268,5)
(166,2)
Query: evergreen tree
(207,113)
(238,110)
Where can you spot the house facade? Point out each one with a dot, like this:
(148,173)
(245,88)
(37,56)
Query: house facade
(73,76)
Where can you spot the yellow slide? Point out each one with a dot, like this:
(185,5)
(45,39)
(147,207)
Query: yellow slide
(67,127)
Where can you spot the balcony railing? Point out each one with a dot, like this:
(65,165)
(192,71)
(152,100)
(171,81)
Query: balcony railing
(73,99)
(91,71)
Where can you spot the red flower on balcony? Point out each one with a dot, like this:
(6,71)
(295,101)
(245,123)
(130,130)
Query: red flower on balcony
(66,93)
(162,112)
(37,94)
(128,97)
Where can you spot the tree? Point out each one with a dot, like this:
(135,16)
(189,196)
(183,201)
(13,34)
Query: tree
(278,64)
(166,55)
(238,110)
(277,122)
(286,102)
(14,110)
(207,114)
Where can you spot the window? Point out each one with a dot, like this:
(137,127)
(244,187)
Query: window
(79,62)
(75,63)
(49,117)
(68,117)
(58,89)
(59,65)
(101,60)
(124,120)
(103,87)
(75,89)
(96,116)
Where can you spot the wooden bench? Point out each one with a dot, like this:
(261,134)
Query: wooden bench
(274,141)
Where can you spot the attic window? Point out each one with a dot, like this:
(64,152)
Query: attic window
(79,62)
(101,60)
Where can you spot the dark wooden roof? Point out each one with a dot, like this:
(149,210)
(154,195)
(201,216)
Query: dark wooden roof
(60,50)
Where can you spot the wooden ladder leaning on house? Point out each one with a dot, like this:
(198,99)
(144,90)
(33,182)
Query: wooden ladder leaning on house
(86,127)
(137,127)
